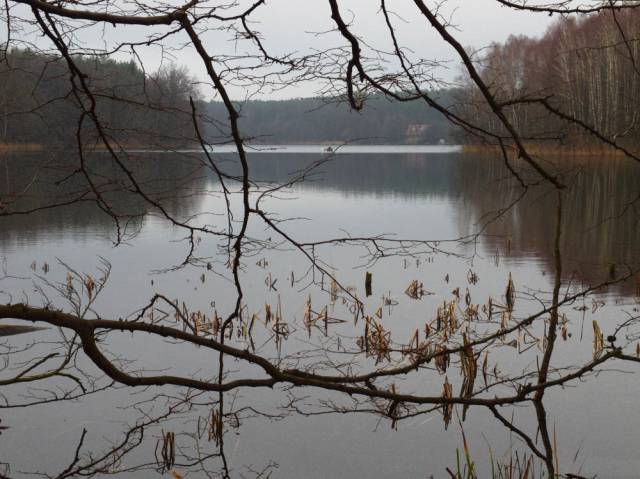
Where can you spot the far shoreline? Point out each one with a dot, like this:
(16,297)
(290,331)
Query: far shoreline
(338,147)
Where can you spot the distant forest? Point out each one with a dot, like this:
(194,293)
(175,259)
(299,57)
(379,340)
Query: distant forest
(540,83)
(38,104)
(586,68)
(317,120)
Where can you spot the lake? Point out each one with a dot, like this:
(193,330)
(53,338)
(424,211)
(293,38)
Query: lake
(465,225)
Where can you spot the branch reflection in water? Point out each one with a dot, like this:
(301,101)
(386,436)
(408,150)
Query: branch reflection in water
(483,324)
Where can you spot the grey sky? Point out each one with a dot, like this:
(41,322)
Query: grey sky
(293,26)
(290,25)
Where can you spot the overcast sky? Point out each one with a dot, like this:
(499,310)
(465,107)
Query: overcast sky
(292,26)
(478,23)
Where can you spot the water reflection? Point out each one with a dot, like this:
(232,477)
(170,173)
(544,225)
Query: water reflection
(601,221)
(416,196)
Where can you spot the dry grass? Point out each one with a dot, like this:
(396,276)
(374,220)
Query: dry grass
(13,147)
(549,148)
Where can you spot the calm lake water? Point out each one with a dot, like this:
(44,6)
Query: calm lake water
(416,193)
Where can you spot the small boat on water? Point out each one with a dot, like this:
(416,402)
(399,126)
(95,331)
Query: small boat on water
(328,149)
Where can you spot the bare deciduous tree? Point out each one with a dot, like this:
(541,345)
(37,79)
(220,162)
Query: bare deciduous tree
(445,367)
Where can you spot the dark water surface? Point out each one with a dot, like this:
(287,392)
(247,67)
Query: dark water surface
(425,194)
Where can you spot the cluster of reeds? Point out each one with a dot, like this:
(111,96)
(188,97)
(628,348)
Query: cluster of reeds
(368,277)
(415,290)
(270,282)
(167,457)
(442,359)
(215,429)
(334,291)
(447,408)
(519,466)
(387,300)
(196,320)
(509,294)
(69,283)
(89,285)
(201,324)
(376,340)
(447,318)
(45,267)
(469,370)
(311,318)
(598,340)
(275,319)
(77,284)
